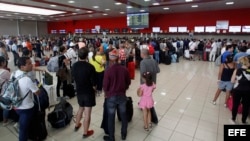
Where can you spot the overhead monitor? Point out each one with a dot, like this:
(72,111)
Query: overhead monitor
(172,29)
(138,20)
(246,28)
(62,31)
(182,29)
(222,24)
(53,31)
(93,30)
(210,29)
(234,29)
(199,29)
(156,29)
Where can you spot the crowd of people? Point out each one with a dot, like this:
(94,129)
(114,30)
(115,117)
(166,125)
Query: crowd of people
(101,67)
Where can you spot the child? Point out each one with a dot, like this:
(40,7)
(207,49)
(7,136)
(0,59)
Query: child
(146,102)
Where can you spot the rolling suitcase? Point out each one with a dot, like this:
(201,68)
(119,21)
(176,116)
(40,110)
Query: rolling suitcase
(154,117)
(37,129)
(129,110)
(131,69)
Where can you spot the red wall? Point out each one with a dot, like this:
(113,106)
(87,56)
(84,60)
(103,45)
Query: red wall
(191,19)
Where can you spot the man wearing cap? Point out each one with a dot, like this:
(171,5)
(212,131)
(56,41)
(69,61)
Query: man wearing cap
(116,82)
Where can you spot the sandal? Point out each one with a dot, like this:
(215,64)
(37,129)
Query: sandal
(77,127)
(89,133)
(150,125)
(146,128)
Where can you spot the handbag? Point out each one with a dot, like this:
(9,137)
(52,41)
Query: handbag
(48,78)
(62,73)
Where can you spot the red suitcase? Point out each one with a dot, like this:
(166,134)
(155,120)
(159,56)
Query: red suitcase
(131,69)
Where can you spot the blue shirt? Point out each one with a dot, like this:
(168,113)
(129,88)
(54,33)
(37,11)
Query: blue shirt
(224,56)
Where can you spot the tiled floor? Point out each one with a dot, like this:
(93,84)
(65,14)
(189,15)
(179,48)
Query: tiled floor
(182,102)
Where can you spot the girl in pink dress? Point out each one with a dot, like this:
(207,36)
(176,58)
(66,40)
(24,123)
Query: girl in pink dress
(146,102)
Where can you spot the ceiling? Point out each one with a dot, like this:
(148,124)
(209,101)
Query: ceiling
(83,9)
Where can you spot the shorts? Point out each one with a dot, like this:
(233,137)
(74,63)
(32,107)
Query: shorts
(228,85)
(86,100)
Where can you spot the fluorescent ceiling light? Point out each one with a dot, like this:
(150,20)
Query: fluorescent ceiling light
(53,5)
(229,3)
(129,7)
(71,1)
(194,6)
(122,12)
(156,3)
(105,14)
(188,0)
(118,3)
(142,10)
(166,8)
(107,9)
(146,0)
(95,6)
(27,9)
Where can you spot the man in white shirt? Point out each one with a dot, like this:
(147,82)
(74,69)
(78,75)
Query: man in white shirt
(26,90)
(213,51)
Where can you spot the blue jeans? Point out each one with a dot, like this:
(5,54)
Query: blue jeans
(118,101)
(157,56)
(25,116)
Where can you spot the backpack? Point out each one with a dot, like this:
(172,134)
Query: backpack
(178,44)
(151,50)
(53,64)
(10,96)
(61,115)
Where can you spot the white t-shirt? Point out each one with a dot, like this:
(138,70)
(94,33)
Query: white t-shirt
(26,86)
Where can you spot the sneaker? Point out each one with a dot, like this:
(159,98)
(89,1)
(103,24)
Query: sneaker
(232,121)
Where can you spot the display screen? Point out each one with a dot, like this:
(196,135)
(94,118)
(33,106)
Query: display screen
(246,28)
(53,31)
(138,20)
(172,29)
(199,29)
(210,29)
(116,30)
(182,29)
(234,29)
(62,31)
(125,30)
(156,29)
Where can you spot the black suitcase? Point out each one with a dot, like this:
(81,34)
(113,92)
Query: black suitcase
(168,59)
(104,124)
(154,117)
(129,110)
(38,130)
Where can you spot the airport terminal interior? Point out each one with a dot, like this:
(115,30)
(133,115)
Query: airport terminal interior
(183,98)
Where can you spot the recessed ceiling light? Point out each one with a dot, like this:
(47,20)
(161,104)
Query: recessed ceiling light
(105,14)
(95,6)
(166,8)
(156,3)
(188,0)
(129,7)
(146,0)
(89,11)
(229,3)
(52,5)
(77,9)
(142,10)
(122,12)
(107,9)
(118,3)
(71,1)
(194,6)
